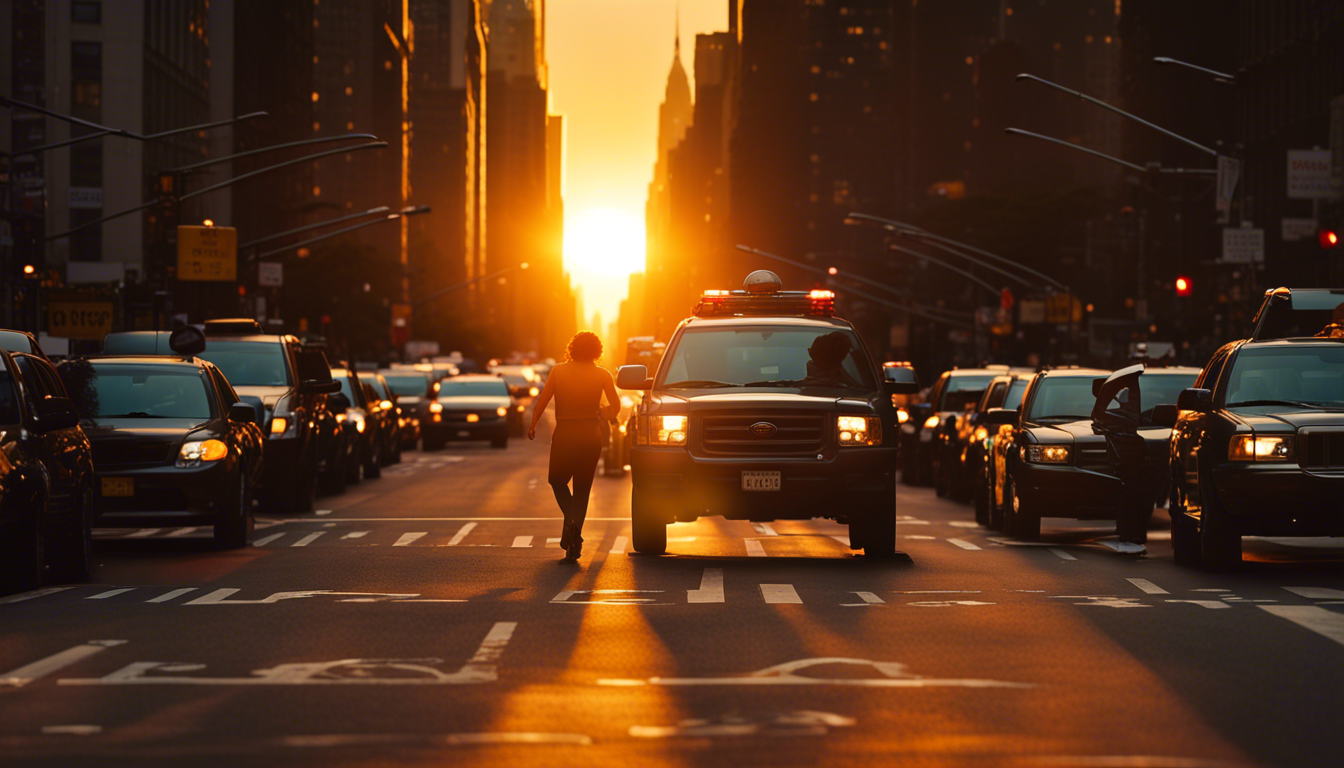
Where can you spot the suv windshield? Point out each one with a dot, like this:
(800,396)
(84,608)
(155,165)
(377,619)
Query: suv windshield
(1063,398)
(769,356)
(1308,375)
(1304,313)
(963,390)
(473,389)
(110,391)
(407,386)
(250,363)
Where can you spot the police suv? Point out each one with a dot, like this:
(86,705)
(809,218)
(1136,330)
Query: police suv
(766,407)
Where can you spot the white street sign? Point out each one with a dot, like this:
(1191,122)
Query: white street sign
(1229,171)
(1298,229)
(270,274)
(1243,245)
(85,198)
(1309,174)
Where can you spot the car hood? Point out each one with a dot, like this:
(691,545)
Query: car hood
(1081,431)
(737,399)
(472,403)
(141,429)
(1281,418)
(269,395)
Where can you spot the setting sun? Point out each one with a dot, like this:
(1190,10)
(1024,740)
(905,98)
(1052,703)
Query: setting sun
(604,242)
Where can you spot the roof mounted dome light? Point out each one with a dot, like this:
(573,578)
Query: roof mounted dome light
(762,281)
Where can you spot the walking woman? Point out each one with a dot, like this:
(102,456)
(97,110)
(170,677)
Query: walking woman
(577,385)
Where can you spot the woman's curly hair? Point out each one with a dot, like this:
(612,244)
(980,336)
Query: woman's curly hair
(585,347)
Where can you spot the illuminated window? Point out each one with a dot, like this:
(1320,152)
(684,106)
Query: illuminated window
(1008,11)
(1108,39)
(349,90)
(970,60)
(317,191)
(350,126)
(315,97)
(316,126)
(1088,39)
(812,97)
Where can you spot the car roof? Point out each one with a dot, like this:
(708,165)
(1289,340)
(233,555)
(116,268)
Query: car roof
(791,320)
(1181,369)
(473,377)
(977,372)
(1296,341)
(262,337)
(1090,373)
(194,362)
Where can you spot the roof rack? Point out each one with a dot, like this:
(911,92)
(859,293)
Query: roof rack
(233,326)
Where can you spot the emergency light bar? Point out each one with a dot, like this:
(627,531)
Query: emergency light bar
(772,304)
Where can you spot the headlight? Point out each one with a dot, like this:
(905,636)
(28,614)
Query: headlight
(473,417)
(195,452)
(859,430)
(902,416)
(1048,454)
(278,426)
(436,407)
(502,411)
(1252,448)
(626,402)
(981,433)
(386,404)
(932,422)
(666,430)
(520,409)
(358,420)
(534,391)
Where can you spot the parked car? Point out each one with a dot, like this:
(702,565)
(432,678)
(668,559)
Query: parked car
(1289,313)
(47,480)
(367,417)
(988,512)
(21,341)
(415,390)
(393,419)
(933,452)
(1258,448)
(172,442)
(470,407)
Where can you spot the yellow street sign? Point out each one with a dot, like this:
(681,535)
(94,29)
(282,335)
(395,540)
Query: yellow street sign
(207,253)
(79,319)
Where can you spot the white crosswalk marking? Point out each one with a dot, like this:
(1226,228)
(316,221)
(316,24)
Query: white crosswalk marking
(26,674)
(1148,587)
(1062,554)
(461,534)
(619,546)
(870,598)
(33,595)
(144,533)
(711,588)
(522,541)
(754,548)
(173,595)
(183,531)
(355,535)
(962,543)
(1316,593)
(409,538)
(842,539)
(765,529)
(1327,624)
(110,593)
(1203,603)
(264,540)
(780,594)
(306,540)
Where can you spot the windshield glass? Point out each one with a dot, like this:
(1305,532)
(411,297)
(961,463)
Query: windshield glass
(963,390)
(249,363)
(769,356)
(377,386)
(1310,375)
(346,388)
(1163,388)
(1306,313)
(1013,400)
(495,388)
(1066,398)
(137,391)
(409,386)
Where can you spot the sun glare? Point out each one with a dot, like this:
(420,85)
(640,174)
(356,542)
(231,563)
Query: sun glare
(604,241)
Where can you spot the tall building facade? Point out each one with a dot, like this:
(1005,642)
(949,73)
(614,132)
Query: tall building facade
(664,260)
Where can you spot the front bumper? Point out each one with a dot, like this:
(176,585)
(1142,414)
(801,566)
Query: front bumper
(485,429)
(846,482)
(1283,500)
(1066,491)
(280,461)
(169,495)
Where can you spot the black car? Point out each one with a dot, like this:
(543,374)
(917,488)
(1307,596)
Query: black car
(1258,448)
(393,418)
(926,438)
(415,390)
(172,443)
(977,436)
(471,407)
(1300,313)
(289,382)
(47,480)
(364,414)
(21,341)
(765,407)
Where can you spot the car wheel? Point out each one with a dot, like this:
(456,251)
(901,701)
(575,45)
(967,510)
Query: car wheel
(396,450)
(236,525)
(648,523)
(305,489)
(333,479)
(1219,541)
(1185,544)
(71,549)
(373,468)
(1020,521)
(500,442)
(22,557)
(878,531)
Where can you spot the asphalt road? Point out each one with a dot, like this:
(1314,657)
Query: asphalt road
(425,618)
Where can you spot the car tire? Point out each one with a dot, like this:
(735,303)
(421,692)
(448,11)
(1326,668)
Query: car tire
(235,528)
(1022,522)
(1219,541)
(996,514)
(878,530)
(396,451)
(373,468)
(333,480)
(304,498)
(500,442)
(648,523)
(1185,543)
(23,556)
(71,550)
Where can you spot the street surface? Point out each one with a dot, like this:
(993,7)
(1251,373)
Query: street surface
(424,617)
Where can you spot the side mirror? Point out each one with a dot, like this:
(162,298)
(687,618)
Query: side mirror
(633,377)
(55,413)
(1000,416)
(1197,400)
(899,380)
(1096,387)
(243,413)
(313,386)
(337,401)
(1165,415)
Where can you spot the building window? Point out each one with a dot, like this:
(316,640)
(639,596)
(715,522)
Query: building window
(86,13)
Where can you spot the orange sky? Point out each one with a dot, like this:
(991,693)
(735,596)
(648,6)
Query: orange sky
(609,61)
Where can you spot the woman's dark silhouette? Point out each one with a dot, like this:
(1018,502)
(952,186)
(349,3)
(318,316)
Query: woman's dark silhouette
(577,386)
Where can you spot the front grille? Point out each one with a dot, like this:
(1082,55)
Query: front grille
(123,453)
(1321,448)
(795,435)
(1094,459)
(158,499)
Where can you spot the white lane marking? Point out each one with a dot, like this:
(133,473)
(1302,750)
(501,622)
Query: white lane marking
(754,548)
(1228,590)
(71,730)
(780,593)
(946,603)
(625,599)
(322,512)
(219,597)
(483,664)
(264,540)
(33,595)
(962,544)
(182,532)
(885,674)
(110,593)
(1327,624)
(355,535)
(1062,554)
(619,546)
(461,534)
(765,529)
(555,540)
(26,674)
(842,539)
(1148,587)
(1204,603)
(144,533)
(913,522)
(306,540)
(1316,593)
(409,538)
(173,595)
(522,541)
(868,598)
(921,537)
(939,592)
(963,524)
(434,739)
(711,588)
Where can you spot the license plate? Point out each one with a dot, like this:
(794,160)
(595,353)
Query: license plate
(755,480)
(118,486)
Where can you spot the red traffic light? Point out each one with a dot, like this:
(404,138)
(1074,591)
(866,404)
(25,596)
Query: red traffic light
(1329,238)
(1182,286)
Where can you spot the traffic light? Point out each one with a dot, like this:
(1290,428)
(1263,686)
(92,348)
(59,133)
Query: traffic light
(1182,286)
(1329,238)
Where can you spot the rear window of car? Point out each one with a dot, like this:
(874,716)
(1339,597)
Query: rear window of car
(250,363)
(407,385)
(1013,400)
(495,388)
(109,391)
(961,390)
